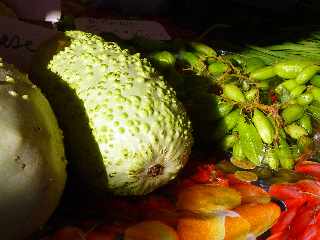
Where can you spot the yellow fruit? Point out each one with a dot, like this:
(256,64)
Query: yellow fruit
(208,198)
(201,229)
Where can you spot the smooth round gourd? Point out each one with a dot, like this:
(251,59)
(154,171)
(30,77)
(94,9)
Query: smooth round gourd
(32,160)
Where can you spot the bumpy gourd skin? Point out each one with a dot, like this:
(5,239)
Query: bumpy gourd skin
(142,131)
(32,159)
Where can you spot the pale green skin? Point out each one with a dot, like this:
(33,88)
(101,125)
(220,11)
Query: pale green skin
(32,159)
(136,119)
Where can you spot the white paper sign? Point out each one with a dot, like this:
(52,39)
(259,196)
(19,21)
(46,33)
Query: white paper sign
(45,10)
(124,29)
(19,40)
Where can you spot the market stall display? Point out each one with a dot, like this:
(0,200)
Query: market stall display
(165,139)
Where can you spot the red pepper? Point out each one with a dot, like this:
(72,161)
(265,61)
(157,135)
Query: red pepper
(285,219)
(295,202)
(285,191)
(309,186)
(279,236)
(310,168)
(303,219)
(311,233)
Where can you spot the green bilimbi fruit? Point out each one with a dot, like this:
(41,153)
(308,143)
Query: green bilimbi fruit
(232,119)
(305,99)
(264,126)
(284,154)
(263,73)
(163,59)
(292,113)
(295,131)
(203,49)
(290,84)
(263,85)
(271,159)
(237,151)
(306,74)
(233,92)
(228,141)
(239,59)
(297,91)
(315,91)
(217,67)
(226,124)
(252,94)
(289,69)
(306,123)
(253,63)
(315,80)
(314,110)
(245,85)
(223,108)
(191,59)
(304,142)
(250,141)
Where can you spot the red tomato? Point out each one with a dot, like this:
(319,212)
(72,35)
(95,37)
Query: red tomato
(285,191)
(69,233)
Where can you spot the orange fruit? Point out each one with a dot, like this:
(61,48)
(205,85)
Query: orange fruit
(237,228)
(204,229)
(251,193)
(260,216)
(208,198)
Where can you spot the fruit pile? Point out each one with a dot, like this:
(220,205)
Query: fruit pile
(301,220)
(208,204)
(263,115)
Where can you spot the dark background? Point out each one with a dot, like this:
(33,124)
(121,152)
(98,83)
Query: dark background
(243,20)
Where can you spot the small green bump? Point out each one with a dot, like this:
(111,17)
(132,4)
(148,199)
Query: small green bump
(144,113)
(121,130)
(146,127)
(109,117)
(135,130)
(119,108)
(130,123)
(124,115)
(116,123)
